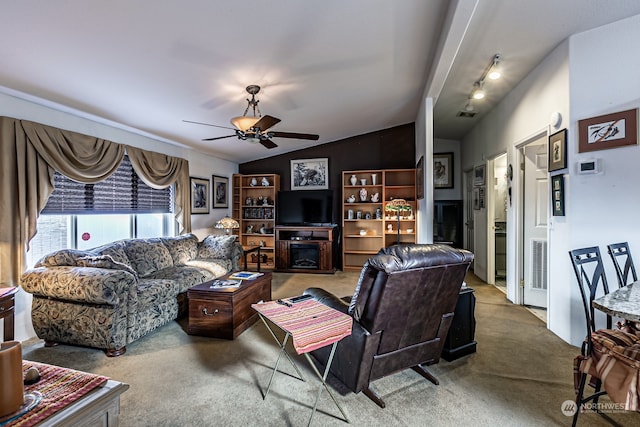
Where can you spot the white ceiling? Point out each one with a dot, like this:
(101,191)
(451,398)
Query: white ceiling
(337,68)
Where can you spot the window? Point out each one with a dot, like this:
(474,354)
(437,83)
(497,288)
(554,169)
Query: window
(84,216)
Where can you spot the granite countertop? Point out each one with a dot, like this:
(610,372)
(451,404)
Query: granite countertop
(623,302)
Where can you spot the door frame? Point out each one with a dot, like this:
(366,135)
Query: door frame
(515,288)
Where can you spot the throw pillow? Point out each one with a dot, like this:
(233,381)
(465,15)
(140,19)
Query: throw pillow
(182,248)
(105,261)
(217,247)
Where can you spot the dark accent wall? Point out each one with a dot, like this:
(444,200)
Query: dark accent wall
(392,148)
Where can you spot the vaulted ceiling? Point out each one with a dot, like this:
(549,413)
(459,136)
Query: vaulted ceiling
(336,68)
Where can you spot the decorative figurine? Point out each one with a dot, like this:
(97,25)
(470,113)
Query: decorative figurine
(363,195)
(351,199)
(265,182)
(375,197)
(249,229)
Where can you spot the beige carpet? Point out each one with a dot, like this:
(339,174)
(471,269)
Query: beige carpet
(520,375)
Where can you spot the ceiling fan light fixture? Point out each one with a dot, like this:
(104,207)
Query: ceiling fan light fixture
(244,123)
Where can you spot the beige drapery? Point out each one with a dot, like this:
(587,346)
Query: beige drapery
(32,152)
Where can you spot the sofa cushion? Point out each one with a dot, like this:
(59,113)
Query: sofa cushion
(154,292)
(63,257)
(216,247)
(182,248)
(105,261)
(147,255)
(184,276)
(115,250)
(217,267)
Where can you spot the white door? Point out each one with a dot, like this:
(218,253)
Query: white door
(536,202)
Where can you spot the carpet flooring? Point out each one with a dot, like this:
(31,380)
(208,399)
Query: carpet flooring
(520,375)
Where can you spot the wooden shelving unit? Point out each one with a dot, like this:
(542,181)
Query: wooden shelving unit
(365,222)
(257,217)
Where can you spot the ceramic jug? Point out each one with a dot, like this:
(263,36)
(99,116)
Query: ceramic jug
(11,385)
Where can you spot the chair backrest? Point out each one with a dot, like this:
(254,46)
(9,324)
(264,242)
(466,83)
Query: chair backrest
(623,262)
(408,293)
(589,269)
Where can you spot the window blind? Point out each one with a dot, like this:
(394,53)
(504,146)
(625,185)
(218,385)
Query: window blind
(122,193)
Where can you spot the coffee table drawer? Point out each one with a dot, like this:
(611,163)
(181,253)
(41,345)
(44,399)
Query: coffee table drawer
(210,318)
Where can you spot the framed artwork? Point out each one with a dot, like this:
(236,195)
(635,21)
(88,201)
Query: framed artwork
(443,170)
(558,150)
(420,178)
(220,191)
(481,197)
(476,198)
(557,195)
(199,195)
(478,175)
(608,131)
(310,174)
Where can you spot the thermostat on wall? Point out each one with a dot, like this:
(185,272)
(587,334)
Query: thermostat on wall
(592,166)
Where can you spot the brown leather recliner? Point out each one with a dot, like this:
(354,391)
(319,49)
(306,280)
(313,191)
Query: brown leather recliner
(402,308)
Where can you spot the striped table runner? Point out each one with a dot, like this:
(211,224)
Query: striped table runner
(312,325)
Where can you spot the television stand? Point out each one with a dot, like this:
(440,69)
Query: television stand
(306,249)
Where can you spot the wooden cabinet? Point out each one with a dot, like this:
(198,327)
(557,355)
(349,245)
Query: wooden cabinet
(367,225)
(306,249)
(254,207)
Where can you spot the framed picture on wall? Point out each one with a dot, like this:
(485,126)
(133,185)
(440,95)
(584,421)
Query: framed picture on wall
(476,198)
(443,170)
(220,191)
(310,174)
(608,131)
(557,194)
(199,195)
(558,150)
(478,175)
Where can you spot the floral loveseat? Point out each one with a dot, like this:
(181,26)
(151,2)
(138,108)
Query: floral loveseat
(112,295)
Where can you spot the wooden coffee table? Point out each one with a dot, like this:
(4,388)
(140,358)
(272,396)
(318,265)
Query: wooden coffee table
(226,312)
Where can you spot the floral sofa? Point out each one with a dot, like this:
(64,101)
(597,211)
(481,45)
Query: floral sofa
(110,296)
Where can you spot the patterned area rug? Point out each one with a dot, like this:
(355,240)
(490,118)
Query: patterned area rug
(59,388)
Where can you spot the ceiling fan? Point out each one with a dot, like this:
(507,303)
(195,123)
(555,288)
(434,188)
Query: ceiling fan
(256,128)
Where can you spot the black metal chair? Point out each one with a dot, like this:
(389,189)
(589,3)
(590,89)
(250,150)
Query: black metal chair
(623,262)
(589,270)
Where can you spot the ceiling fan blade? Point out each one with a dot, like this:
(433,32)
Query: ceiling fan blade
(268,143)
(295,135)
(266,122)
(219,137)
(209,124)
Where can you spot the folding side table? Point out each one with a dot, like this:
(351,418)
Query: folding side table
(311,325)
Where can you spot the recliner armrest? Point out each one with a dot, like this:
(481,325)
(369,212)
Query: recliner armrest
(328,299)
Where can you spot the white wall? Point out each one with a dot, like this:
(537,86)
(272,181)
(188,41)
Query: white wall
(523,113)
(590,74)
(602,208)
(200,165)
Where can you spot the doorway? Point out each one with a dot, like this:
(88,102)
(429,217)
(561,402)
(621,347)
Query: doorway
(535,211)
(497,216)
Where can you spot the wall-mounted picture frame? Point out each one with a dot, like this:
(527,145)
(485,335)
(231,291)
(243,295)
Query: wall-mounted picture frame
(476,198)
(481,197)
(443,170)
(310,174)
(478,175)
(557,195)
(608,131)
(220,191)
(199,195)
(558,150)
(420,178)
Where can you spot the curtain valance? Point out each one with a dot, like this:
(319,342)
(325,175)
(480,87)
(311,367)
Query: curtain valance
(32,152)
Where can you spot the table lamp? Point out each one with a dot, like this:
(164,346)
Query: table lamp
(228,224)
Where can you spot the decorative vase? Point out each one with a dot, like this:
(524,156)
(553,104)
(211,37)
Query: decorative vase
(374,178)
(353,180)
(363,181)
(254,182)
(11,383)
(363,195)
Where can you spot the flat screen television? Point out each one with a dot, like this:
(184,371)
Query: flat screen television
(305,207)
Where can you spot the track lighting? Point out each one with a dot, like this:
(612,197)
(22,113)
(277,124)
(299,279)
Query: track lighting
(492,72)
(479,92)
